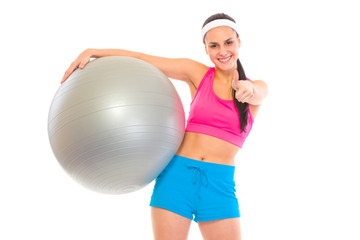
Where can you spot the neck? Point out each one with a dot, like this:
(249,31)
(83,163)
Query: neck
(225,77)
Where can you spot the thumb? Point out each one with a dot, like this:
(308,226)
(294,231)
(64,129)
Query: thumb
(235,80)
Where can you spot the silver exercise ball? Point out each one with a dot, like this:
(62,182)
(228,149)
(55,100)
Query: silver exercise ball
(116,124)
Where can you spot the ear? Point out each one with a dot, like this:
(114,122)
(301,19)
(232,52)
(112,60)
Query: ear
(239,41)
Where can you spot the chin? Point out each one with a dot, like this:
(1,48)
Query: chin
(226,67)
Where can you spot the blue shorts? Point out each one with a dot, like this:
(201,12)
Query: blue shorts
(190,187)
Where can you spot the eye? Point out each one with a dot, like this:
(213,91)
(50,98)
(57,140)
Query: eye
(229,42)
(212,45)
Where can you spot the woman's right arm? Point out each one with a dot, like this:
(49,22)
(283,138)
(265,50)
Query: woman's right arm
(176,68)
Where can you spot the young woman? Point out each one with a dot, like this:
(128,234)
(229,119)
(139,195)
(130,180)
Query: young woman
(199,180)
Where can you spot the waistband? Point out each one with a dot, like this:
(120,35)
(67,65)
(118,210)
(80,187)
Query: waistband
(211,168)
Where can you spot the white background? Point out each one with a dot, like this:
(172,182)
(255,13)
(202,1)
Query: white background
(298,173)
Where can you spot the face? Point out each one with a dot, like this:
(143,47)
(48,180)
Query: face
(222,45)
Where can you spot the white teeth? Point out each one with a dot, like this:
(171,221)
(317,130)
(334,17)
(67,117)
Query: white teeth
(224,59)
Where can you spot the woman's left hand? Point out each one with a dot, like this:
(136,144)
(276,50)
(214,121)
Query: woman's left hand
(244,89)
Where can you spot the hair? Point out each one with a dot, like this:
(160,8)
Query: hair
(243,108)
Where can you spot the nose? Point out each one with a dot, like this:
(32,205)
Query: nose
(222,51)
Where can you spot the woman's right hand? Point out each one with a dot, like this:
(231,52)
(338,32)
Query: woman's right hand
(79,62)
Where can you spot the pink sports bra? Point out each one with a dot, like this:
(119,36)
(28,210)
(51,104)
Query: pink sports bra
(211,115)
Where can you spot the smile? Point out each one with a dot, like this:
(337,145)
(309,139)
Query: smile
(225,60)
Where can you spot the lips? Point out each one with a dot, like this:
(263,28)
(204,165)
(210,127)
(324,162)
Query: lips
(225,60)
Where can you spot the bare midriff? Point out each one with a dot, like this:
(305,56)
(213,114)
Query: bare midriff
(206,148)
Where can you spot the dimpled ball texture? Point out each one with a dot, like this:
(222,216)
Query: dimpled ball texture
(115,124)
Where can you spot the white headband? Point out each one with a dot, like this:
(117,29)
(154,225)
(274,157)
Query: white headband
(218,23)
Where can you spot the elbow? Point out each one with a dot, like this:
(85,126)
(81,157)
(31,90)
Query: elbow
(265,89)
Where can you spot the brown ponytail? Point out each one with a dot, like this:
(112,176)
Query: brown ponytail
(243,108)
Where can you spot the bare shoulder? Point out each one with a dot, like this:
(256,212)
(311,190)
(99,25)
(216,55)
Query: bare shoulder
(183,69)
(195,72)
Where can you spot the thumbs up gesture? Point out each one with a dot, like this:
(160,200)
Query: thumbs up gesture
(244,89)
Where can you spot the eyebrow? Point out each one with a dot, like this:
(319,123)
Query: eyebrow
(224,41)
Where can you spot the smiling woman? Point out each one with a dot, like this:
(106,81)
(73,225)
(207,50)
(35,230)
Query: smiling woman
(226,54)
(198,183)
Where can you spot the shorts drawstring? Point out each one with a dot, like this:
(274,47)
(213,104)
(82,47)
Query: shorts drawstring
(200,174)
(193,188)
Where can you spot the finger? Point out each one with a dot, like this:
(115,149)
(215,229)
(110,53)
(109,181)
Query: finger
(63,79)
(235,80)
(234,84)
(242,100)
(241,91)
(67,73)
(82,65)
(243,96)
(239,96)
(246,97)
(83,62)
